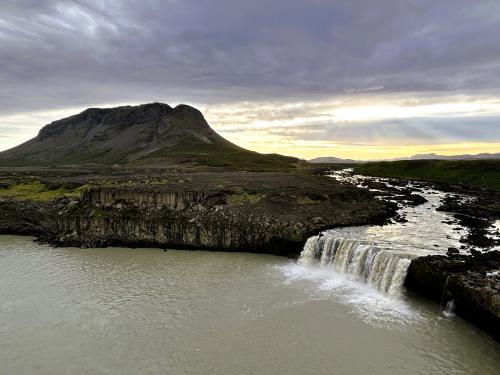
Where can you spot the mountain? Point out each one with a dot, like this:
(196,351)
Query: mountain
(331,160)
(454,157)
(146,135)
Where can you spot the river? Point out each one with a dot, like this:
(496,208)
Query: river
(146,311)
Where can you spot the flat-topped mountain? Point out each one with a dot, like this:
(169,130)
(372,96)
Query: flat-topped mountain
(150,134)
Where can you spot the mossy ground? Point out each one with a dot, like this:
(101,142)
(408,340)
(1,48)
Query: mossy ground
(39,192)
(244,198)
(304,200)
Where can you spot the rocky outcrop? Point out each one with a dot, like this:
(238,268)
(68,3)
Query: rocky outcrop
(27,218)
(472,282)
(477,213)
(173,200)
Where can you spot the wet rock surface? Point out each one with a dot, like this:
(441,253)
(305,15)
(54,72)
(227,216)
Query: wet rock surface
(397,191)
(477,212)
(472,282)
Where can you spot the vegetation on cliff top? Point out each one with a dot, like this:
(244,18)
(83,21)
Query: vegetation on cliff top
(39,192)
(475,173)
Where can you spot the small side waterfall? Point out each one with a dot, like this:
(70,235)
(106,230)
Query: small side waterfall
(449,309)
(384,269)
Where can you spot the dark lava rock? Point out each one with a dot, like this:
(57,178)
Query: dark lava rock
(416,199)
(468,280)
(400,219)
(477,214)
(452,251)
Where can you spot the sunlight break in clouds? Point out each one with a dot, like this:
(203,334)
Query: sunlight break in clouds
(362,128)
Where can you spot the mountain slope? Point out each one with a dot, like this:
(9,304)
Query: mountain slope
(150,134)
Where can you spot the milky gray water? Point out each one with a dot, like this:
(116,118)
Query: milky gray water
(126,311)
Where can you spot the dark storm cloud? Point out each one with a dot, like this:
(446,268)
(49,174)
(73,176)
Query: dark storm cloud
(56,54)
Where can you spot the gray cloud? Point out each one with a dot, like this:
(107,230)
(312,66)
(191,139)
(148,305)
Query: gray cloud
(55,54)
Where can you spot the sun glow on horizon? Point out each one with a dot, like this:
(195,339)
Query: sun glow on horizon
(373,152)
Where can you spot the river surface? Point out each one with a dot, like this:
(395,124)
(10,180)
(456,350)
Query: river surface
(145,311)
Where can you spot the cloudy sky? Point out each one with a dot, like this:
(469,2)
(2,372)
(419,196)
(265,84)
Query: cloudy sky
(347,78)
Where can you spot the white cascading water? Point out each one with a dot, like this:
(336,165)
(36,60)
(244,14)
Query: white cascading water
(384,269)
(449,309)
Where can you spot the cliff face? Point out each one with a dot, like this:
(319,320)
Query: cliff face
(250,212)
(182,219)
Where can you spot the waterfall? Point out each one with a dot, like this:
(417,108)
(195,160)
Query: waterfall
(449,310)
(382,268)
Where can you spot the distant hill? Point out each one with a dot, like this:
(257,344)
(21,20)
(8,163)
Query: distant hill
(477,173)
(146,135)
(331,160)
(431,156)
(483,156)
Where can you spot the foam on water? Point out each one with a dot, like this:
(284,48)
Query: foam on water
(372,307)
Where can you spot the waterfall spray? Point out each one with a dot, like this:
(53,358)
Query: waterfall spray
(381,268)
(448,309)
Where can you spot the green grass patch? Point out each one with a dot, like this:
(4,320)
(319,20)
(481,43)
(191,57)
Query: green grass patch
(476,173)
(39,192)
(135,183)
(244,198)
(304,200)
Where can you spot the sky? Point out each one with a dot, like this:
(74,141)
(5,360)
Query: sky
(346,78)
